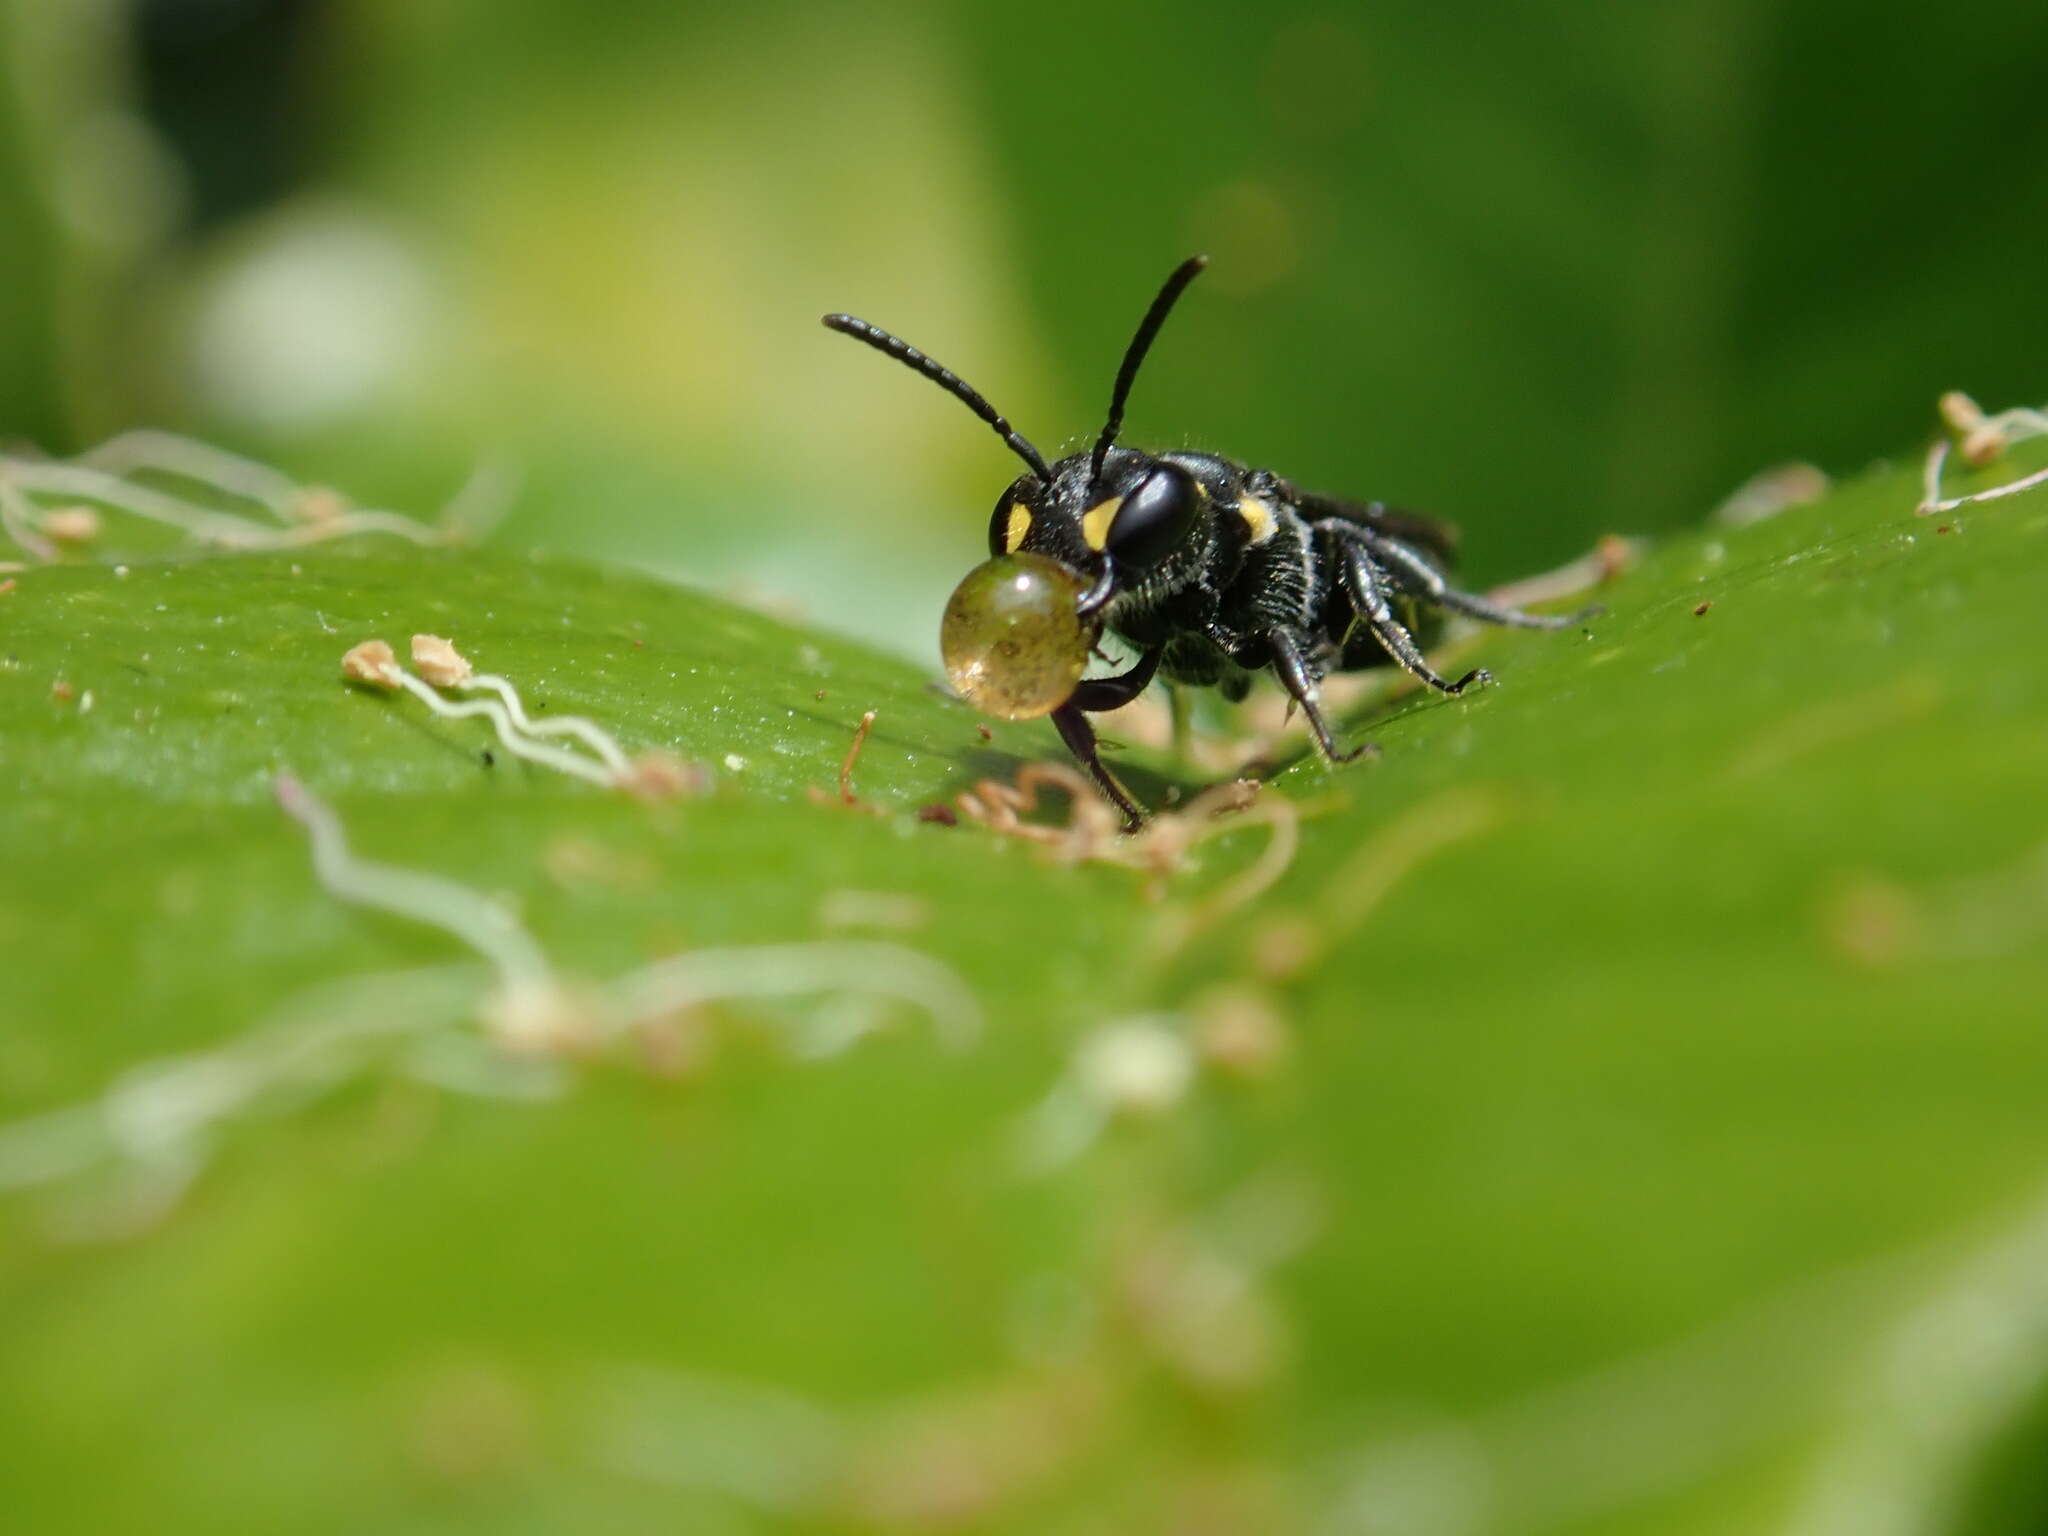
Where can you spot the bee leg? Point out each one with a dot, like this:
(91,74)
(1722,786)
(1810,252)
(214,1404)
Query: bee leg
(1079,736)
(1365,589)
(1096,694)
(1292,670)
(1411,571)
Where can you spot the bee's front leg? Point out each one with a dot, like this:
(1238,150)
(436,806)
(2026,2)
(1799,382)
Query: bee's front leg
(1098,694)
(1079,736)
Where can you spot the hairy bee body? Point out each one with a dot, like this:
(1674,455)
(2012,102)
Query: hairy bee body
(1211,570)
(1259,555)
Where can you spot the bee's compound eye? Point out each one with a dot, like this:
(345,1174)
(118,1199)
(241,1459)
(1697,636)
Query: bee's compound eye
(1012,638)
(1156,518)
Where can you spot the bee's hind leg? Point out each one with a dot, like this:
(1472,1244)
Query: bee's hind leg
(1410,571)
(1365,590)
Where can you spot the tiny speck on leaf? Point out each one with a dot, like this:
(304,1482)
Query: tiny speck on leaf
(1944,528)
(986,733)
(490,758)
(943,815)
(1700,612)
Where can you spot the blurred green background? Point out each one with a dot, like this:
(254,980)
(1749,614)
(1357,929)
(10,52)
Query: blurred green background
(1663,1153)
(1549,270)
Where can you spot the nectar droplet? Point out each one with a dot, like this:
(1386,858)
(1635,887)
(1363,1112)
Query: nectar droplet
(1012,638)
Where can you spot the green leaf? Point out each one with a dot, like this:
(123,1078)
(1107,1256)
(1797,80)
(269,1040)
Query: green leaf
(1630,1056)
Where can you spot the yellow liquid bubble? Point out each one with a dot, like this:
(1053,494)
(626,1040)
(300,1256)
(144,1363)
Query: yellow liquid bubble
(1012,638)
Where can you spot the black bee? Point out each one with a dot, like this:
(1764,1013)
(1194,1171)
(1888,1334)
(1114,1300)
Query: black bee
(1210,570)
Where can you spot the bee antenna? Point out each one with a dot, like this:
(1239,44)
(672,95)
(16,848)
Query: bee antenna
(1134,356)
(947,380)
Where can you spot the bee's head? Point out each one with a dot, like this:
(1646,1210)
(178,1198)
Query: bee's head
(1138,511)
(1018,630)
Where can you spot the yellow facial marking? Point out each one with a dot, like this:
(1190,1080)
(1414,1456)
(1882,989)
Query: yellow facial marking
(1016,528)
(1096,520)
(1258,518)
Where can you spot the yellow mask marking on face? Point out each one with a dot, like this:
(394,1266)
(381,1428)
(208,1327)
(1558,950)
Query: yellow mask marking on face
(1096,520)
(1258,518)
(1016,528)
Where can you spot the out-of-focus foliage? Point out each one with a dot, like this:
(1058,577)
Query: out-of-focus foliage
(1632,1077)
(1621,1111)
(1549,270)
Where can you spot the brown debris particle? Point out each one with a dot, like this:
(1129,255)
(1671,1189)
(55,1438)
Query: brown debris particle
(1982,447)
(1607,561)
(1285,947)
(664,776)
(843,794)
(1091,827)
(318,505)
(60,690)
(970,1459)
(1240,1031)
(1981,438)
(674,1045)
(1094,831)
(1203,1315)
(1701,611)
(860,739)
(439,662)
(572,862)
(985,733)
(1959,413)
(469,1425)
(942,815)
(1612,556)
(1871,921)
(72,525)
(1771,491)
(541,1018)
(371,663)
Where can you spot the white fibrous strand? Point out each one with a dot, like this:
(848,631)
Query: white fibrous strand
(159,1118)
(1983,440)
(454,908)
(104,479)
(575,727)
(373,663)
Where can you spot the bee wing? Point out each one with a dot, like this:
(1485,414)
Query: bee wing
(1432,535)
